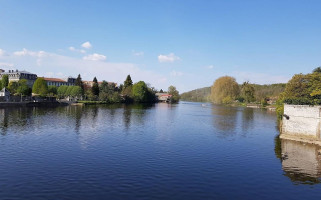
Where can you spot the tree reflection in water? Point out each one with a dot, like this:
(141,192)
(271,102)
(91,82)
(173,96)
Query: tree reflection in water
(225,119)
(300,162)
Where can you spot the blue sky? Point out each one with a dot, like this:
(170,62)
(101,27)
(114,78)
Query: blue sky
(186,43)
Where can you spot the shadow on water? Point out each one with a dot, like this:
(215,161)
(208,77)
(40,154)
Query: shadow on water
(300,162)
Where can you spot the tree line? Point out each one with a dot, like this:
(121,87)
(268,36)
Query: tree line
(127,92)
(226,90)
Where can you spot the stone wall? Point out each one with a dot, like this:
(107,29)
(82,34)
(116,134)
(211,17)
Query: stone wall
(302,120)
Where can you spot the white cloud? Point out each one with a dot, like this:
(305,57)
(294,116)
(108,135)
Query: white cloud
(26,52)
(53,65)
(86,45)
(95,57)
(210,67)
(76,50)
(140,53)
(176,73)
(168,58)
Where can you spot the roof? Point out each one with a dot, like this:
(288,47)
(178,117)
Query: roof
(14,72)
(54,79)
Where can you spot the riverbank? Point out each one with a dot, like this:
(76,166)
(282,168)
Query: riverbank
(32,104)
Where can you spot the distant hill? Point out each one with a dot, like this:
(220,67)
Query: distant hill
(198,95)
(261,91)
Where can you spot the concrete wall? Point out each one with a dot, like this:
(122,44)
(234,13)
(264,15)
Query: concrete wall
(302,120)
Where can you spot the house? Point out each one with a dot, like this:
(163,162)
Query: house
(89,84)
(164,97)
(5,94)
(59,82)
(16,75)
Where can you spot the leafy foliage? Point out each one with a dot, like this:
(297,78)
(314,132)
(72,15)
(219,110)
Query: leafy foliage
(95,87)
(224,90)
(80,83)
(247,92)
(52,90)
(61,91)
(175,94)
(142,93)
(12,87)
(23,88)
(40,87)
(5,80)
(128,82)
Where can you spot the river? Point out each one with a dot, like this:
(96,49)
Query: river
(161,151)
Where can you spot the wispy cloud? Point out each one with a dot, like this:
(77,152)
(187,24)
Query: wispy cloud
(168,58)
(86,45)
(76,50)
(26,52)
(210,67)
(95,57)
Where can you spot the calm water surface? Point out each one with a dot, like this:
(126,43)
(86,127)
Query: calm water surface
(183,151)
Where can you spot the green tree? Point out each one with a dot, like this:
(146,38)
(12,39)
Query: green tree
(40,87)
(1,85)
(224,88)
(95,87)
(68,91)
(52,90)
(175,94)
(61,91)
(5,80)
(318,70)
(128,82)
(12,87)
(161,91)
(121,87)
(247,92)
(76,91)
(23,88)
(80,83)
(140,92)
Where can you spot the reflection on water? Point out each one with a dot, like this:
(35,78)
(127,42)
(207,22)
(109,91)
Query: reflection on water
(225,119)
(161,151)
(301,162)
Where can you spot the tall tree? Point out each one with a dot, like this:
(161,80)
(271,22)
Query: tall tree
(80,83)
(5,80)
(247,92)
(224,90)
(128,82)
(40,87)
(175,94)
(140,92)
(95,87)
